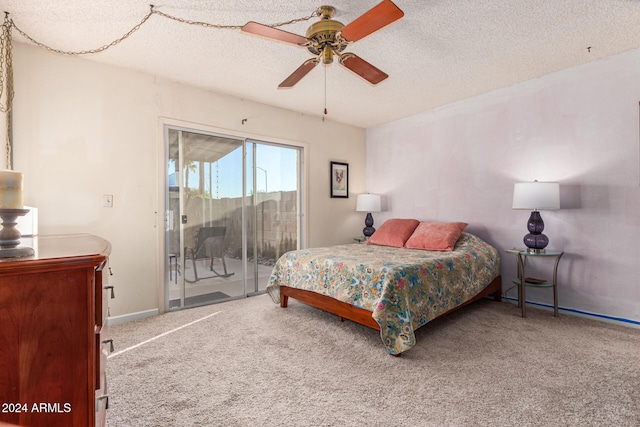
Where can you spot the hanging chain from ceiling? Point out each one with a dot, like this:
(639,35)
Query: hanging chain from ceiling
(6,56)
(152,11)
(88,51)
(232,27)
(6,83)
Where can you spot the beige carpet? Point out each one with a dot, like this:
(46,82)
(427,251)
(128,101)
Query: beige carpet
(251,363)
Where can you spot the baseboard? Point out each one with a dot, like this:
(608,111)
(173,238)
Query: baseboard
(116,320)
(596,316)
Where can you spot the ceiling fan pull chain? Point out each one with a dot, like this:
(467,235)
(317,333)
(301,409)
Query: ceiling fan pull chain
(325,90)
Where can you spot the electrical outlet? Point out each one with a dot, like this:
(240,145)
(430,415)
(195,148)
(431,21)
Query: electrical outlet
(107,200)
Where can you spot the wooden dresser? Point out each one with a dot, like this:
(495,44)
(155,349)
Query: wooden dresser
(53,333)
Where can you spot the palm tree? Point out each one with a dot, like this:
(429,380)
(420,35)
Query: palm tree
(189,166)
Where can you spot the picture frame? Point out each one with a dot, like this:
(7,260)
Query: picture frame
(339,180)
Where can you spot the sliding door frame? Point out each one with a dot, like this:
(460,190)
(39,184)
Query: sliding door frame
(165,123)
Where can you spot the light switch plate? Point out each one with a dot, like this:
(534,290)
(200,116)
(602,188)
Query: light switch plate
(107,200)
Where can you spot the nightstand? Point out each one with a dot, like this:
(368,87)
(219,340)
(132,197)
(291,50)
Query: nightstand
(522,281)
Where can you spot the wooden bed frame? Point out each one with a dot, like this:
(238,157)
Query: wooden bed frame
(362,316)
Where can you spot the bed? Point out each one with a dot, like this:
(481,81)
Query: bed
(394,289)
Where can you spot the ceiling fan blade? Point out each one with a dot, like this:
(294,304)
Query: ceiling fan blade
(273,33)
(362,68)
(380,16)
(299,73)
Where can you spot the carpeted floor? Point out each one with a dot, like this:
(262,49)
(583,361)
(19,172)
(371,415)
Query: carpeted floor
(250,363)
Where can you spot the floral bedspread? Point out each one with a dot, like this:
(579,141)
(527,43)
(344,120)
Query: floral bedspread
(403,288)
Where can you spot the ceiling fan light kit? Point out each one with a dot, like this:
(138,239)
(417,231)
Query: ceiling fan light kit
(329,37)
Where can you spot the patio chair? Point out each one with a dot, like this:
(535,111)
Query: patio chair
(209,245)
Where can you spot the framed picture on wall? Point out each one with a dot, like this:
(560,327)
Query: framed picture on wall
(339,179)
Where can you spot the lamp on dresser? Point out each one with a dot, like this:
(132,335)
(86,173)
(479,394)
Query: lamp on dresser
(536,196)
(368,203)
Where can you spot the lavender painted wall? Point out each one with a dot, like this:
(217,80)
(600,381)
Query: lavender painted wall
(579,127)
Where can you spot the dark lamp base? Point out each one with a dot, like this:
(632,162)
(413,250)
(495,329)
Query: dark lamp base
(368,230)
(535,240)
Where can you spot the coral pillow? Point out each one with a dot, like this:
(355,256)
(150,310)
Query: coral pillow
(394,232)
(436,236)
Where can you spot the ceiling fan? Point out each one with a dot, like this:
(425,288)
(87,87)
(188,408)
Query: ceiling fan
(328,37)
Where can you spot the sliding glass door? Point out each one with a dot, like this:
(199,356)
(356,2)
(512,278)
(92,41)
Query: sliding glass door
(233,207)
(273,205)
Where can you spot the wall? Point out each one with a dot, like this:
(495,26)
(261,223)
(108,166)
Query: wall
(82,129)
(578,127)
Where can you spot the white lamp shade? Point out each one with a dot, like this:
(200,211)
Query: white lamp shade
(536,195)
(368,203)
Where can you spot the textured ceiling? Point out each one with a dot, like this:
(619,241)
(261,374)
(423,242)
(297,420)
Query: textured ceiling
(440,52)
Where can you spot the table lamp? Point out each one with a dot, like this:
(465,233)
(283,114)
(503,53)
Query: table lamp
(536,196)
(368,203)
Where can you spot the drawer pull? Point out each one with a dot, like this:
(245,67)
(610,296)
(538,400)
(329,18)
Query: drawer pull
(113,295)
(110,342)
(104,397)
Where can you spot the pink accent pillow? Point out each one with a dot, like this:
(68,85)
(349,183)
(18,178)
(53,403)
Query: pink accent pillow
(394,232)
(436,236)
